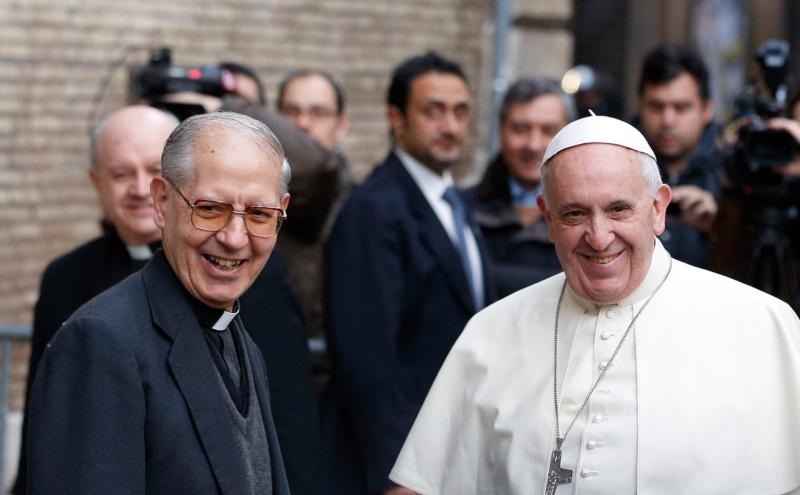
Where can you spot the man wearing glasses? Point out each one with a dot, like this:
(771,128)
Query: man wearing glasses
(314,103)
(163,391)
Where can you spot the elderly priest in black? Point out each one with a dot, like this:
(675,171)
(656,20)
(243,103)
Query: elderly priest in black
(154,386)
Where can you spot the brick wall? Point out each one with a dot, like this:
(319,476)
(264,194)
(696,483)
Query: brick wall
(54,53)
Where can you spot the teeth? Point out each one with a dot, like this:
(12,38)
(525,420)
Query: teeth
(223,263)
(603,260)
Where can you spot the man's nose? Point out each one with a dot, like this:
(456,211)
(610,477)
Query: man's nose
(600,233)
(450,123)
(537,141)
(668,117)
(141,185)
(234,234)
(303,121)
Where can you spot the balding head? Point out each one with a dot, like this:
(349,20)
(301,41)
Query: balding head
(125,156)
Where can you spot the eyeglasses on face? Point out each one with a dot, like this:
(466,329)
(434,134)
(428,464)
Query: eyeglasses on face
(314,112)
(213,216)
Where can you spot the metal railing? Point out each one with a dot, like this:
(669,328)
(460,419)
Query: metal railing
(9,333)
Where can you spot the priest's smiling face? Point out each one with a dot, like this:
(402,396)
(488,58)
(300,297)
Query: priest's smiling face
(603,218)
(217,267)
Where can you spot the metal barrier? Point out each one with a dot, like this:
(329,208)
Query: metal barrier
(9,334)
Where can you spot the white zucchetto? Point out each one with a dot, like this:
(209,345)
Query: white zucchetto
(597,129)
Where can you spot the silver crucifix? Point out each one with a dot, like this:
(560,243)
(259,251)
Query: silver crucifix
(557,475)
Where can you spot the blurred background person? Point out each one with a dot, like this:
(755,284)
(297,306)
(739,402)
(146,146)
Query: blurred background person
(405,273)
(532,112)
(125,157)
(675,115)
(314,102)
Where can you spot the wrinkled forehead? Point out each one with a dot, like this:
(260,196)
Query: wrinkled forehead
(600,165)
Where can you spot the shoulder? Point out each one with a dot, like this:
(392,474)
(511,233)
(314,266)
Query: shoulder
(121,307)
(697,290)
(77,258)
(514,318)
(383,192)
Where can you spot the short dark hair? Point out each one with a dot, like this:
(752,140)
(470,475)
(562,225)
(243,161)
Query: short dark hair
(297,74)
(244,70)
(667,62)
(527,89)
(414,67)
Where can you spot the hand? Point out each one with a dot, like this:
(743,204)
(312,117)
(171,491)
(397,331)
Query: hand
(399,490)
(698,206)
(792,127)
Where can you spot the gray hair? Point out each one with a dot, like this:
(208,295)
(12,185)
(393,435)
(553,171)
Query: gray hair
(176,161)
(650,173)
(527,89)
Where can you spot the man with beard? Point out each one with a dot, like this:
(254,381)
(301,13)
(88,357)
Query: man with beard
(675,116)
(533,111)
(405,273)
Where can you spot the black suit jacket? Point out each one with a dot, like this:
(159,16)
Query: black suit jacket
(126,399)
(397,299)
(269,311)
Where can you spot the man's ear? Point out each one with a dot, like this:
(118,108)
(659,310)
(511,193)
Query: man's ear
(708,110)
(540,202)
(159,190)
(95,179)
(342,126)
(397,122)
(285,201)
(660,202)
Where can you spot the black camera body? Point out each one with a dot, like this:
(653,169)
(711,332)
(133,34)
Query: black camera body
(159,78)
(759,148)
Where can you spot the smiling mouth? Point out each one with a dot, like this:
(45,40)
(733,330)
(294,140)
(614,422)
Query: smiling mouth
(223,263)
(603,260)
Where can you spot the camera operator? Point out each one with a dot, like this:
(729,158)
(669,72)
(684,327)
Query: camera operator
(675,116)
(757,233)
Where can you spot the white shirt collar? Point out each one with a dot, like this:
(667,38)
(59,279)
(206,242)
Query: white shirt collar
(141,253)
(227,317)
(430,183)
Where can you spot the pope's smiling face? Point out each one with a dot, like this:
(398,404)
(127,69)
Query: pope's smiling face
(603,218)
(217,267)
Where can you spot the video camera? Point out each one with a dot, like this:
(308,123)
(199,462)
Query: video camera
(759,148)
(158,79)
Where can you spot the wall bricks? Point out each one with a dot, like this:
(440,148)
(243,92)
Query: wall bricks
(55,53)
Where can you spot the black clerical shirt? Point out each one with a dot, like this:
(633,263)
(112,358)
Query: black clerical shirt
(226,351)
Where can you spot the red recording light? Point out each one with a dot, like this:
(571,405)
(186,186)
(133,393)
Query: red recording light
(194,74)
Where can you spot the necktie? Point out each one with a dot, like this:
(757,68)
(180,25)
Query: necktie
(460,219)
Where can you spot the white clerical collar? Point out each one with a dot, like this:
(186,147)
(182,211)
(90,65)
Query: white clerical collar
(659,264)
(430,183)
(227,317)
(140,253)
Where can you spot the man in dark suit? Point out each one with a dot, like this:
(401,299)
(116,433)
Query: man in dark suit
(406,272)
(158,387)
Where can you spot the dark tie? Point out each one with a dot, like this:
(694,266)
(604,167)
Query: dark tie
(460,218)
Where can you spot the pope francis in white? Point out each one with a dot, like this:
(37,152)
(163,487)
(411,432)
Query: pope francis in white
(630,372)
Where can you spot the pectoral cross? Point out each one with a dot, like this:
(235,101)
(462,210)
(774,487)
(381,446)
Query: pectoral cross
(557,475)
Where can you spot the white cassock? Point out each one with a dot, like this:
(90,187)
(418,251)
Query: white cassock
(703,397)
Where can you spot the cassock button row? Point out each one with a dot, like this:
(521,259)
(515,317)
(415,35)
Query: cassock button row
(607,335)
(599,419)
(592,444)
(588,473)
(603,365)
(602,391)
(612,313)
